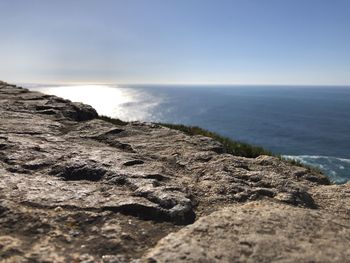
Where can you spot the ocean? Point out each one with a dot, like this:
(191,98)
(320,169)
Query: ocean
(310,124)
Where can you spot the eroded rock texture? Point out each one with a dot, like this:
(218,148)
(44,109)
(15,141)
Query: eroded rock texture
(259,232)
(74,188)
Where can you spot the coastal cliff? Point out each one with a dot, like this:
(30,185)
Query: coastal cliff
(76,188)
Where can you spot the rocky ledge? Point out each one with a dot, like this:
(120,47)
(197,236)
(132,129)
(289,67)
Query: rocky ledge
(75,188)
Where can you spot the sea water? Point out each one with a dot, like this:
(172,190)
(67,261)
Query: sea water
(310,124)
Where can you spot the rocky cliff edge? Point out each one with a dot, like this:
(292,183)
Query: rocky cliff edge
(75,188)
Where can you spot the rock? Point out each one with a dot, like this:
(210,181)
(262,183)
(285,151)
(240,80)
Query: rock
(258,232)
(333,198)
(74,187)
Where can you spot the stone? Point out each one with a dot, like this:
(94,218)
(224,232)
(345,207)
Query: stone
(74,187)
(260,231)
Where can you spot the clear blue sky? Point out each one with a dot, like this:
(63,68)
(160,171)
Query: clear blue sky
(176,41)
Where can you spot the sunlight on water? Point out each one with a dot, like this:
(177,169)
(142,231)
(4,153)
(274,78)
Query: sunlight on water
(103,98)
(111,101)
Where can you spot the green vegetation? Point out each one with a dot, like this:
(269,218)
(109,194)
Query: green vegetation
(112,120)
(235,147)
(230,146)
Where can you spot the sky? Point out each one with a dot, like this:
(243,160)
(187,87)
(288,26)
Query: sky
(304,42)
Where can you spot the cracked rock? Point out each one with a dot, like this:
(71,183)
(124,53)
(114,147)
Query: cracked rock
(75,188)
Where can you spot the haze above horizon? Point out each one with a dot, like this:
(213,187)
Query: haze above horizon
(291,42)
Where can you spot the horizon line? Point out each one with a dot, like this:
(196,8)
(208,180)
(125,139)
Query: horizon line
(73,83)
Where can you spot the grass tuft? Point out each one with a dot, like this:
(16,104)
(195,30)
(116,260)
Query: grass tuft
(112,120)
(230,146)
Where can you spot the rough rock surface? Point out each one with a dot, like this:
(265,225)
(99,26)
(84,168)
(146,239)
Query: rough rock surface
(259,232)
(75,188)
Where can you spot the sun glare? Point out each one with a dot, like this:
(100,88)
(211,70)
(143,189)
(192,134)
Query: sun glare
(105,99)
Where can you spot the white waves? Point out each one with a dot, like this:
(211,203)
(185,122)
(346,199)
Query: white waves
(338,169)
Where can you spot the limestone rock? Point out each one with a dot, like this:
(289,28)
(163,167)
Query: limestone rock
(258,232)
(75,188)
